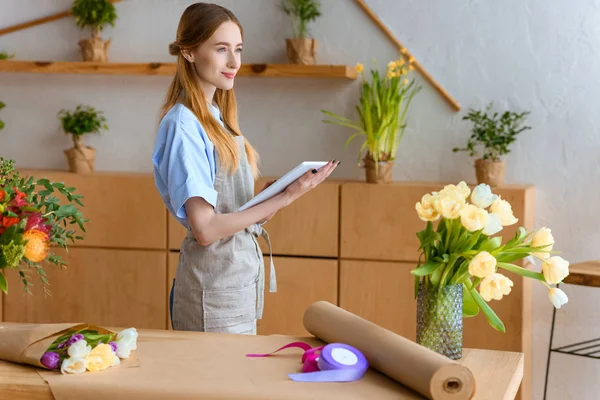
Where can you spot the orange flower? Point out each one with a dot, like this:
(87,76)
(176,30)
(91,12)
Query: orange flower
(7,222)
(2,194)
(37,247)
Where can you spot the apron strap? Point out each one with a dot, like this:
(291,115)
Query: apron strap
(260,287)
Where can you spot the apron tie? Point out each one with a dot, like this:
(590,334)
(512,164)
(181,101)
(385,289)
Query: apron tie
(258,230)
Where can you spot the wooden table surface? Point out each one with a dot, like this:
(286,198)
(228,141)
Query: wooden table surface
(498,374)
(585,273)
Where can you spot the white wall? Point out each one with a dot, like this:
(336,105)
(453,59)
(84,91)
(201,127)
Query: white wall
(522,54)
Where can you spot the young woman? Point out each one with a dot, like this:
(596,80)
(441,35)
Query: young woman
(205,169)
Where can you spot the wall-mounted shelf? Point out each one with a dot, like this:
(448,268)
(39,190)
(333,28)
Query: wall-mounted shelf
(254,70)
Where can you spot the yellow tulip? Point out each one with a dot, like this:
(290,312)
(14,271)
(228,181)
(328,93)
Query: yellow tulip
(360,68)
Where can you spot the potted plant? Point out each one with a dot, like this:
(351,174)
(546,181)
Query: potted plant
(495,133)
(83,120)
(94,14)
(463,266)
(301,49)
(32,222)
(382,109)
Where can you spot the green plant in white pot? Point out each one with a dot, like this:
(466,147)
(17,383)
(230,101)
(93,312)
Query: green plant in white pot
(301,49)
(95,15)
(495,132)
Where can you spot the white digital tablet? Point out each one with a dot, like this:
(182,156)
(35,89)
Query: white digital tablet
(283,182)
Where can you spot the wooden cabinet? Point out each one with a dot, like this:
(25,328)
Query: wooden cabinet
(124,210)
(105,287)
(381,292)
(300,282)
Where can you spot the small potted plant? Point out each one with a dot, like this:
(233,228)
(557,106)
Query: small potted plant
(382,110)
(83,120)
(94,14)
(301,49)
(495,133)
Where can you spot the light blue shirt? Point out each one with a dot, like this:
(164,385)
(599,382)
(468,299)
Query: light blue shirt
(184,160)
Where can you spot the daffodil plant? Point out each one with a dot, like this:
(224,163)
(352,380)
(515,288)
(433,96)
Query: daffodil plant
(463,249)
(382,109)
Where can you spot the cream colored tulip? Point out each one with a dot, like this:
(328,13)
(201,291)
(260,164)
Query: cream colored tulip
(543,237)
(557,297)
(473,218)
(555,269)
(460,189)
(100,358)
(426,208)
(450,204)
(494,287)
(482,265)
(503,209)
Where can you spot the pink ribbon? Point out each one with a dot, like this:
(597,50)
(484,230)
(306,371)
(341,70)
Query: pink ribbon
(334,362)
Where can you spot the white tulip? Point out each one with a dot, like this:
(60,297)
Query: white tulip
(493,226)
(73,365)
(128,336)
(123,349)
(79,349)
(543,237)
(482,196)
(558,297)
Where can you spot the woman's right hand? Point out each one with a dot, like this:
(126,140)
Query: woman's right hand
(309,181)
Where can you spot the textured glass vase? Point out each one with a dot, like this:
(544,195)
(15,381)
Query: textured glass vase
(439,319)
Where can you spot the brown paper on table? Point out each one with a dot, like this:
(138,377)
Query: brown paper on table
(415,366)
(27,343)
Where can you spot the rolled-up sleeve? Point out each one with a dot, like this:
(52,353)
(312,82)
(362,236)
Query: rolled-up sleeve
(185,166)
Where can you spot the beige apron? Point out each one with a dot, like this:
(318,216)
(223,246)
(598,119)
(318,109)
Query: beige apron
(220,287)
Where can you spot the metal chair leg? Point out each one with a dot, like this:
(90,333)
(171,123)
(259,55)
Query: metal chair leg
(550,349)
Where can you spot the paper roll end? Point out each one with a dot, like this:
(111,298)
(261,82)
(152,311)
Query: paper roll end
(453,381)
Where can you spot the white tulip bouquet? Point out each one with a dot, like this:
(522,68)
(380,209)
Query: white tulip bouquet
(463,250)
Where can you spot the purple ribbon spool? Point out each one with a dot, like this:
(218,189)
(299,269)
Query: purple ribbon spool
(337,362)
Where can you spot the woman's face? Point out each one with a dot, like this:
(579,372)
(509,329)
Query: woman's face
(218,60)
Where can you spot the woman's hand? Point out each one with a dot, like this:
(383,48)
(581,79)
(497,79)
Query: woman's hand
(309,181)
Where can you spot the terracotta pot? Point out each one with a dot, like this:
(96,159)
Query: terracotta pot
(382,174)
(81,159)
(489,172)
(94,49)
(301,51)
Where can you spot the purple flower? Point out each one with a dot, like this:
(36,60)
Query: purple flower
(60,346)
(74,338)
(51,360)
(114,346)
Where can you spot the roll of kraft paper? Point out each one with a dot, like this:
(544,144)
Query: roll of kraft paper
(423,370)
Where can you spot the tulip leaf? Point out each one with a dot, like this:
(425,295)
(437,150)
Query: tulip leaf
(522,271)
(426,269)
(491,244)
(490,315)
(470,307)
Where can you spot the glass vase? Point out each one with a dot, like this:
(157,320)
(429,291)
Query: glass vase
(439,319)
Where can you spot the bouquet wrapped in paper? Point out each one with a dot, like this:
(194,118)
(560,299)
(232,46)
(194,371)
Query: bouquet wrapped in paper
(65,347)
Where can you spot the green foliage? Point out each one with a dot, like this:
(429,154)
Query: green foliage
(94,14)
(31,202)
(83,120)
(494,132)
(5,56)
(301,12)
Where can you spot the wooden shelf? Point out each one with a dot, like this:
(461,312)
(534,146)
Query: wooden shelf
(253,70)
